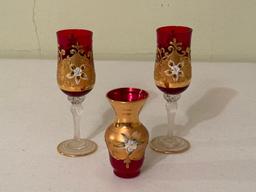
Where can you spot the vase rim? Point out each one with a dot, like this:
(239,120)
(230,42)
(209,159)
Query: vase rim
(127,94)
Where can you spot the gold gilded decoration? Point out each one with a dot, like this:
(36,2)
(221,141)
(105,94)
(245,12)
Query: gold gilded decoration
(77,73)
(130,145)
(173,66)
(175,70)
(75,69)
(127,138)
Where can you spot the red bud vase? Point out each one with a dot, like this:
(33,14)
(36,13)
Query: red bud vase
(126,137)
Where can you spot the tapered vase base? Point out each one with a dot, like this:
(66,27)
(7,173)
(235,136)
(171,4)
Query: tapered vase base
(169,145)
(77,147)
(126,175)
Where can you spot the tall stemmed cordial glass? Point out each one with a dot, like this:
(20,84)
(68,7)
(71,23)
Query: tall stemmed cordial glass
(76,78)
(172,76)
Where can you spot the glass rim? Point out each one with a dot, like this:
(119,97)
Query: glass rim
(136,91)
(63,31)
(179,28)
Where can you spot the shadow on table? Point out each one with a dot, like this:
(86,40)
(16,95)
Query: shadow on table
(207,107)
(152,158)
(210,105)
(152,95)
(106,120)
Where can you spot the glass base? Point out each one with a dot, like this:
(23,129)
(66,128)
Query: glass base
(126,175)
(167,145)
(76,147)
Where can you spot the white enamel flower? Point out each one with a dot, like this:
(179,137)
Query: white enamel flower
(77,73)
(175,70)
(130,145)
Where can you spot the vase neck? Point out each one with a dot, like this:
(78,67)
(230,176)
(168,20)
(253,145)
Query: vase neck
(127,116)
(127,112)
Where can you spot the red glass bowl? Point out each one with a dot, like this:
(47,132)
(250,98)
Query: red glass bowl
(68,37)
(166,34)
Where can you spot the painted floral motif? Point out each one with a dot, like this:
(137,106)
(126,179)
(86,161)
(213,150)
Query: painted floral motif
(130,144)
(77,49)
(77,73)
(174,70)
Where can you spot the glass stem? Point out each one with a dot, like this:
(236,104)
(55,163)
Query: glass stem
(171,108)
(76,110)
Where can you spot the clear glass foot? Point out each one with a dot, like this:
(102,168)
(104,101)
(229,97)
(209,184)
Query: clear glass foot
(76,147)
(167,144)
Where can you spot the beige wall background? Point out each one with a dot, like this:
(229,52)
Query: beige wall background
(224,30)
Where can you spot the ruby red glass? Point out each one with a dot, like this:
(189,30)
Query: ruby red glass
(69,37)
(166,34)
(127,94)
(126,137)
(172,75)
(76,78)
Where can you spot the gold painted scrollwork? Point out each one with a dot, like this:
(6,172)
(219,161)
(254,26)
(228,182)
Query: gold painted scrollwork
(75,69)
(173,66)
